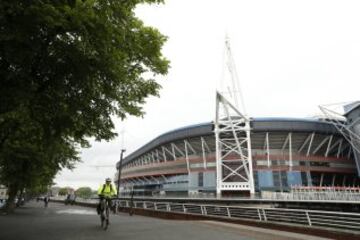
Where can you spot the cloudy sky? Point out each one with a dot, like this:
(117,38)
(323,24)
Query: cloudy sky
(291,56)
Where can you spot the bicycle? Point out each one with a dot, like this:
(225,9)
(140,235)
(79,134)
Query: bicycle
(131,211)
(105,212)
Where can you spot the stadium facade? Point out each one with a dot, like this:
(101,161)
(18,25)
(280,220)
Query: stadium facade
(285,153)
(236,154)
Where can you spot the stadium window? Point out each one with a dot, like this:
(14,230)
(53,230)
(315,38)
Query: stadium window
(265,178)
(274,162)
(320,164)
(284,181)
(294,178)
(201,179)
(304,179)
(261,162)
(302,163)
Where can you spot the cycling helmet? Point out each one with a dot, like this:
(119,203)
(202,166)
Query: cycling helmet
(108,179)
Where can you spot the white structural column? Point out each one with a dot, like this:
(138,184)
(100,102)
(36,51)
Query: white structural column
(288,142)
(157,156)
(233,148)
(339,149)
(173,151)
(308,174)
(328,146)
(164,154)
(321,179)
(304,143)
(320,145)
(177,149)
(190,147)
(290,152)
(268,149)
(187,157)
(311,140)
(203,145)
(333,180)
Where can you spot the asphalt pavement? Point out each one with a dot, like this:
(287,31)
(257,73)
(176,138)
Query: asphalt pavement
(60,222)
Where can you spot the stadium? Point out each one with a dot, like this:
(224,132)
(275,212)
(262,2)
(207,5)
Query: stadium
(236,155)
(286,153)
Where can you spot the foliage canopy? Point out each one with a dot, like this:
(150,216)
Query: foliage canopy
(84,192)
(66,67)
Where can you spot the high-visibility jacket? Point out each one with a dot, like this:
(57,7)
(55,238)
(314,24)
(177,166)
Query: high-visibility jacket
(107,190)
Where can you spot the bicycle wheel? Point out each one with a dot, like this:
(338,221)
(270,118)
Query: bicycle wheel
(102,213)
(102,219)
(106,219)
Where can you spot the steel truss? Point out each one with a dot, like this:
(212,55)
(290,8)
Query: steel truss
(171,151)
(233,148)
(348,130)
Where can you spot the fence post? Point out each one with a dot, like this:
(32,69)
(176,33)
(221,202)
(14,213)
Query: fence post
(308,217)
(228,212)
(263,211)
(259,214)
(117,206)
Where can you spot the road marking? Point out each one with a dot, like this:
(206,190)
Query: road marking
(76,211)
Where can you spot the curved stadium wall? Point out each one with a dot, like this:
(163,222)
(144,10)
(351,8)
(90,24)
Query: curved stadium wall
(286,153)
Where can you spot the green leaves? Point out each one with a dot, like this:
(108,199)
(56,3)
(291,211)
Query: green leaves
(65,68)
(84,192)
(63,191)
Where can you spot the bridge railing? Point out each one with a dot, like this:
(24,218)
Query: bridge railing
(328,219)
(350,194)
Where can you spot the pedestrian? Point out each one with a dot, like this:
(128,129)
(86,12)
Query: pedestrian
(46,200)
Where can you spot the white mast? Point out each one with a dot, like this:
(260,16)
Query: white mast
(346,119)
(232,134)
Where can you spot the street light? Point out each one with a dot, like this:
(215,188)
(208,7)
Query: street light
(119,174)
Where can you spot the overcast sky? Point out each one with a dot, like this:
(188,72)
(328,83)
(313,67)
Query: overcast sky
(291,56)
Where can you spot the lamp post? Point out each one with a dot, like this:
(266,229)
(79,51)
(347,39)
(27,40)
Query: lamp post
(119,173)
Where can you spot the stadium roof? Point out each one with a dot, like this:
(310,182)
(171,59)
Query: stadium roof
(351,107)
(257,125)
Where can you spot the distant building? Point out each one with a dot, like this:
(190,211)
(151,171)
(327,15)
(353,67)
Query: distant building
(3,192)
(55,191)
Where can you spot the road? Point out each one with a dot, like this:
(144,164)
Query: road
(58,221)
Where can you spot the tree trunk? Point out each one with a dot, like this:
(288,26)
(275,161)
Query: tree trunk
(20,197)
(10,204)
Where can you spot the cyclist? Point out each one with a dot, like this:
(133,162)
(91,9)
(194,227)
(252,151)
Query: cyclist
(46,200)
(107,190)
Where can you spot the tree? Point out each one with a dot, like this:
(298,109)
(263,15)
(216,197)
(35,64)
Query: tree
(66,67)
(29,162)
(63,191)
(84,192)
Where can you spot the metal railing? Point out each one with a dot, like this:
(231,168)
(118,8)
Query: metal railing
(333,220)
(350,194)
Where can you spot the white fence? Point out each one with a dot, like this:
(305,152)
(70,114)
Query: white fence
(316,193)
(333,220)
